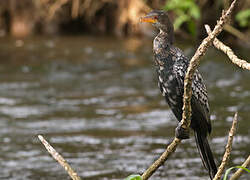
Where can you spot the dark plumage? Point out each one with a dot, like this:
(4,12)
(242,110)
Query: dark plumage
(171,66)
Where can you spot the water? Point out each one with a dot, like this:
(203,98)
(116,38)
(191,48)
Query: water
(97,102)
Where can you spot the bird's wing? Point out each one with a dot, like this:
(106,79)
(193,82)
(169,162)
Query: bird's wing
(200,102)
(199,92)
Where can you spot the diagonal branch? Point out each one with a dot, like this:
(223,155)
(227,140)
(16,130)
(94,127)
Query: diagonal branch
(239,172)
(160,161)
(228,149)
(229,52)
(59,159)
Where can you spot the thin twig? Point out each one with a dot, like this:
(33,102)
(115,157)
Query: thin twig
(236,32)
(170,149)
(229,52)
(239,172)
(228,148)
(187,91)
(194,62)
(59,159)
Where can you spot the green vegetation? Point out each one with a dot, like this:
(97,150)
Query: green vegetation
(186,11)
(243,18)
(228,171)
(134,177)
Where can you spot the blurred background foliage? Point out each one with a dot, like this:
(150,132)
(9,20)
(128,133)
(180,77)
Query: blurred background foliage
(243,18)
(119,18)
(186,11)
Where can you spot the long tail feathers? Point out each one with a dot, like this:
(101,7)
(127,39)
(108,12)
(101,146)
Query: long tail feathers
(206,154)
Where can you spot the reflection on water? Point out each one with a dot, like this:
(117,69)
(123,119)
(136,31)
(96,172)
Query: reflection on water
(96,100)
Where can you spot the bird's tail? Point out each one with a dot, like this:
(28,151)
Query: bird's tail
(206,154)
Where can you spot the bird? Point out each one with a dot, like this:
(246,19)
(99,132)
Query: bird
(171,66)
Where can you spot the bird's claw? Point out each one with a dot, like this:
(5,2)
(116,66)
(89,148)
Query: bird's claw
(181,133)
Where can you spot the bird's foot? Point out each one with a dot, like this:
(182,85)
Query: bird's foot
(181,133)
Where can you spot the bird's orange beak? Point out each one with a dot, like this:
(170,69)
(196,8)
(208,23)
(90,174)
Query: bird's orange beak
(149,19)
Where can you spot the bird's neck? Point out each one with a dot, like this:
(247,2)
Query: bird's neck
(167,35)
(162,41)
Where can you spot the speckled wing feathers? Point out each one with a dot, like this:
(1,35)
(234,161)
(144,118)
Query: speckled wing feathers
(198,87)
(199,96)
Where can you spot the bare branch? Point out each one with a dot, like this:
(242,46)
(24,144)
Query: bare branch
(59,159)
(228,149)
(194,62)
(160,161)
(239,172)
(229,52)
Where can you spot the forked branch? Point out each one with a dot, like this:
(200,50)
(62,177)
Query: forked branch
(229,52)
(194,62)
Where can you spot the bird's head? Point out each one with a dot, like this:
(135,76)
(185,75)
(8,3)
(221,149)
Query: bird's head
(160,20)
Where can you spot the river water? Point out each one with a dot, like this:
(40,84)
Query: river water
(96,100)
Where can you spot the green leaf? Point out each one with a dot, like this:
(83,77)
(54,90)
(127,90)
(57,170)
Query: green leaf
(228,171)
(134,177)
(187,4)
(195,12)
(177,4)
(186,12)
(192,28)
(172,4)
(180,20)
(243,17)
